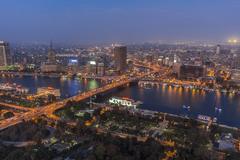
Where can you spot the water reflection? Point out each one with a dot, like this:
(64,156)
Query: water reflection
(168,99)
(92,84)
(68,87)
(162,98)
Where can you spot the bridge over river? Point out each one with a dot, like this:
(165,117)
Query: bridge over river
(48,110)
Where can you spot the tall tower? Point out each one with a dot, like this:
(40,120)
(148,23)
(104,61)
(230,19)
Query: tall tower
(5,57)
(120,58)
(51,55)
(218,50)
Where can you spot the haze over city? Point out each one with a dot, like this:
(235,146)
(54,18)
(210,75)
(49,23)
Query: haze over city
(119,80)
(126,21)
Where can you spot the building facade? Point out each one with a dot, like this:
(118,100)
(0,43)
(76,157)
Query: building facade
(5,56)
(120,58)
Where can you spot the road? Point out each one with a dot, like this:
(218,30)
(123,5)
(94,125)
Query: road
(13,106)
(49,109)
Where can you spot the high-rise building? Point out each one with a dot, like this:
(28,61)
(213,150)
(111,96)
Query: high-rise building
(5,57)
(166,61)
(92,68)
(218,50)
(120,58)
(100,69)
(51,55)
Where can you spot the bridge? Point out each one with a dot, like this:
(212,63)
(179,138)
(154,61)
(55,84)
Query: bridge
(49,109)
(102,78)
(16,107)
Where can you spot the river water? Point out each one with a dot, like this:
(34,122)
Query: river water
(163,98)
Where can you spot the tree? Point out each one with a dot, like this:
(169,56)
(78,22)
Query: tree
(100,152)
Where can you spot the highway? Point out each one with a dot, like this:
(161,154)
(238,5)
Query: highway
(49,109)
(13,106)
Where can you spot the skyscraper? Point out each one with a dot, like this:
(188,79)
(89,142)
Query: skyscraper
(5,57)
(92,67)
(51,55)
(120,58)
(218,50)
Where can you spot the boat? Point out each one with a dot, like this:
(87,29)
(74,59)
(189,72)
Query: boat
(147,86)
(207,118)
(218,109)
(186,107)
(204,118)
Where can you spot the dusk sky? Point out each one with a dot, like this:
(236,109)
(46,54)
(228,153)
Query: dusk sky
(106,21)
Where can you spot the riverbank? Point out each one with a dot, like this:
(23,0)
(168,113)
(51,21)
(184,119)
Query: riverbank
(187,86)
(162,99)
(152,113)
(20,74)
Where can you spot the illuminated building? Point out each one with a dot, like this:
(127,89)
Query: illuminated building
(124,102)
(176,59)
(160,60)
(44,92)
(92,67)
(48,90)
(120,58)
(176,64)
(100,69)
(169,61)
(68,59)
(95,68)
(51,65)
(166,61)
(5,57)
(46,67)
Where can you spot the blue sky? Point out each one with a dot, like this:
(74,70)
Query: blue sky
(106,21)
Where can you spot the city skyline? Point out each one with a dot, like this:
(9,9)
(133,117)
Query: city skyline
(130,79)
(123,22)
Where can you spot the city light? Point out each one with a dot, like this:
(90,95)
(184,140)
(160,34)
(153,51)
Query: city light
(74,61)
(233,41)
(93,62)
(122,80)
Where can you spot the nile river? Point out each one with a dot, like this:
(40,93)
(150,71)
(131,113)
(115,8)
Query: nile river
(163,99)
